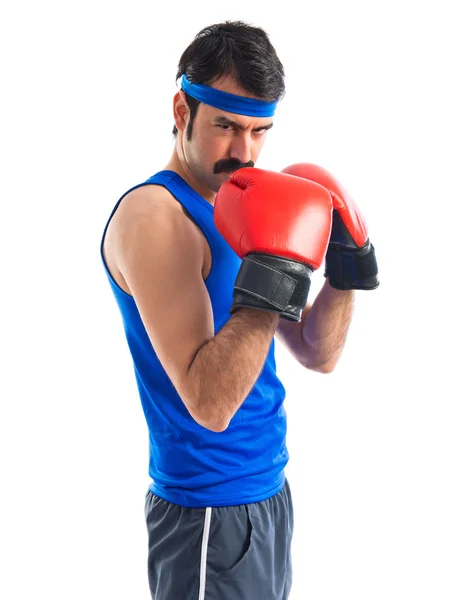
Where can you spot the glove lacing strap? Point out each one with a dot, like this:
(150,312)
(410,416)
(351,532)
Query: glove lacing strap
(265,282)
(351,269)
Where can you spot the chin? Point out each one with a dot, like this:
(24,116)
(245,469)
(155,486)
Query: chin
(220,179)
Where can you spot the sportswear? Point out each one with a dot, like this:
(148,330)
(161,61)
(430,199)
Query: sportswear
(350,261)
(280,226)
(190,465)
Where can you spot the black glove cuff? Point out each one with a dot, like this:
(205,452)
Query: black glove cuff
(272,283)
(348,269)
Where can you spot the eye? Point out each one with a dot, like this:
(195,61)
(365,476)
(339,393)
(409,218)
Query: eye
(224,126)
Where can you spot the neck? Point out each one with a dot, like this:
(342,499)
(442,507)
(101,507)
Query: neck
(178,164)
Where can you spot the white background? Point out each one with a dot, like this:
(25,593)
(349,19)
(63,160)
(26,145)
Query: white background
(374,94)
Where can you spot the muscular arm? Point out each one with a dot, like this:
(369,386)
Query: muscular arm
(160,255)
(226,367)
(318,340)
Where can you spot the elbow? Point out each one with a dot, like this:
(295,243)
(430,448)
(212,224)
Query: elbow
(211,420)
(324,368)
(220,427)
(214,425)
(207,416)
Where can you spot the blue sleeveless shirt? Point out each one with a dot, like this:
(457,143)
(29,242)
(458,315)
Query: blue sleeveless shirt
(190,465)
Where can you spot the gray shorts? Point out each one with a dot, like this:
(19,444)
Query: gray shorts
(221,553)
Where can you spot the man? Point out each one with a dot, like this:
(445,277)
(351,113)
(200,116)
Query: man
(208,260)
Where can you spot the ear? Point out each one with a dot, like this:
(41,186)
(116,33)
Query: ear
(180,110)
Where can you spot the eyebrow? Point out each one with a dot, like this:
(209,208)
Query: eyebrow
(225,121)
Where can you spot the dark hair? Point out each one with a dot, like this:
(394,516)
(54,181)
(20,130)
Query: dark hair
(237,49)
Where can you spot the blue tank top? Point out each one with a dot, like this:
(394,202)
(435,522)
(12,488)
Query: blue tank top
(190,465)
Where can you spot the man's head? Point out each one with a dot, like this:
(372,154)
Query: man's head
(239,59)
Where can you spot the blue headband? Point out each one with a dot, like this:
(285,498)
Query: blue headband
(229,102)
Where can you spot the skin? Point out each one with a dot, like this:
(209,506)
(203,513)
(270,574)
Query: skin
(217,135)
(158,255)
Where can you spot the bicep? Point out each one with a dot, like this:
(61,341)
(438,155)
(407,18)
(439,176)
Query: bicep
(161,260)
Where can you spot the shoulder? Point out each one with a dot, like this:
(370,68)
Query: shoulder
(146,202)
(150,225)
(153,211)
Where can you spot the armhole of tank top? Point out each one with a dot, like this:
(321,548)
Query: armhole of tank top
(202,229)
(209,240)
(107,269)
(206,237)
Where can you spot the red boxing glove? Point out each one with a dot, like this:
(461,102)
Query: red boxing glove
(350,261)
(280,226)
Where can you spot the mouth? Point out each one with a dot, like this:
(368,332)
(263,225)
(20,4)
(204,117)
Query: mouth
(230,173)
(228,169)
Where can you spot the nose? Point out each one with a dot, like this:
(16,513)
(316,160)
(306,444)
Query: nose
(241,148)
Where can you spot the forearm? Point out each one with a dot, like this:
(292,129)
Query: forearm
(325,327)
(226,368)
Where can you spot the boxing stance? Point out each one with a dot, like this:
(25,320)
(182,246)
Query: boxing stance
(209,260)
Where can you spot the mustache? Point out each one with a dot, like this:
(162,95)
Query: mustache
(229,165)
